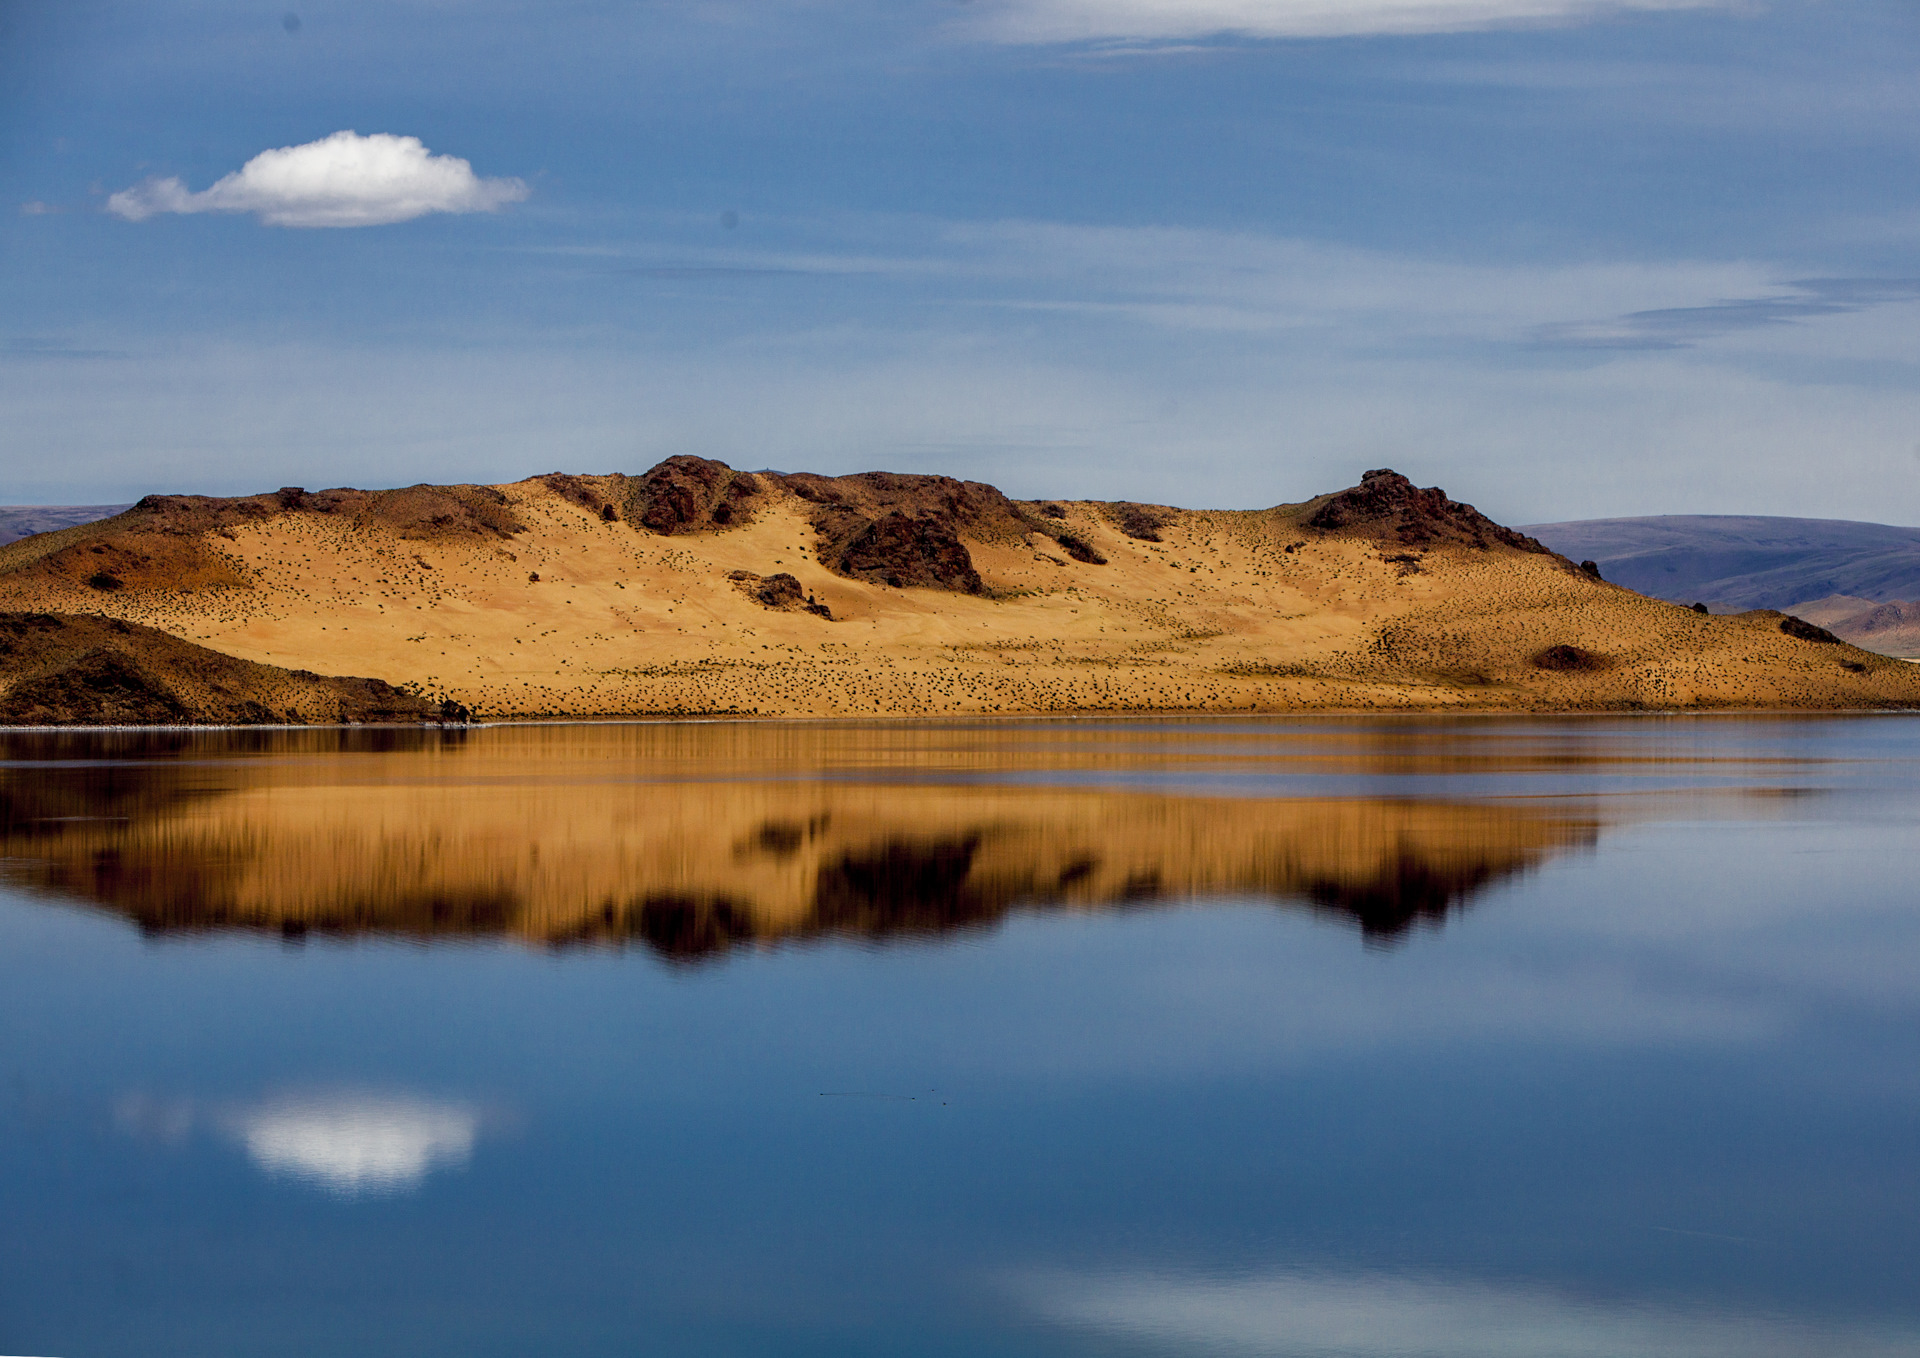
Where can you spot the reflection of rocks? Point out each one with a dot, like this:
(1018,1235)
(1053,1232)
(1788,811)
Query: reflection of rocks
(693,869)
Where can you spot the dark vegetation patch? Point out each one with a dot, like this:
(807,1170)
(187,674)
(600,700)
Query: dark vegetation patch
(1140,521)
(1387,505)
(1079,548)
(1592,568)
(1571,659)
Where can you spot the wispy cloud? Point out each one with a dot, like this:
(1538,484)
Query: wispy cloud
(342,180)
(1684,327)
(1383,1316)
(1050,21)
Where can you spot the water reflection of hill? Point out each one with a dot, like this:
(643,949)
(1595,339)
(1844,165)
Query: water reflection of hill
(394,845)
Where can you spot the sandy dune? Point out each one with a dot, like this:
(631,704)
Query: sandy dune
(578,596)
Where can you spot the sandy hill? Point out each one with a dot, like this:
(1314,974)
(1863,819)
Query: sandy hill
(99,671)
(695,588)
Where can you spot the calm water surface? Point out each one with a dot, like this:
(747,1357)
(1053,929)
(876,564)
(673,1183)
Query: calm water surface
(1485,1038)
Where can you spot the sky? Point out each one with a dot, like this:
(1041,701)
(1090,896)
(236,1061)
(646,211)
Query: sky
(1565,258)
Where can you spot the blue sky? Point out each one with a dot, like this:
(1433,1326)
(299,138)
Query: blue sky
(1565,258)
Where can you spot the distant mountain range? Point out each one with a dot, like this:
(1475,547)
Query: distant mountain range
(1848,577)
(23,521)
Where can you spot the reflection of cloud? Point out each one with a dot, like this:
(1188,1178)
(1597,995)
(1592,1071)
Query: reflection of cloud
(1682,327)
(1379,1316)
(357,1144)
(1079,20)
(349,1143)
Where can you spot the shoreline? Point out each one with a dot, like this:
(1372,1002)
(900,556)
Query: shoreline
(975,718)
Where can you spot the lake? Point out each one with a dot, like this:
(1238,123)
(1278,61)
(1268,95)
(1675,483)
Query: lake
(1475,1037)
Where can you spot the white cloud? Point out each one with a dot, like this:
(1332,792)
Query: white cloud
(342,180)
(1040,21)
(1381,1316)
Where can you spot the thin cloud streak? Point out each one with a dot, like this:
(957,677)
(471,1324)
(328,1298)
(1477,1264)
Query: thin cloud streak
(1057,21)
(1685,327)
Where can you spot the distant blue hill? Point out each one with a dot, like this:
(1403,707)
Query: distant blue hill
(20,521)
(1732,562)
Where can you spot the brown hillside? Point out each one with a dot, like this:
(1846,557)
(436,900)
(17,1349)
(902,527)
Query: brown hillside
(96,671)
(629,595)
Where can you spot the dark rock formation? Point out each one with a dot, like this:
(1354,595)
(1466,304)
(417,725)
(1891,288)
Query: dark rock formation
(906,550)
(906,530)
(1806,631)
(691,495)
(781,591)
(1387,505)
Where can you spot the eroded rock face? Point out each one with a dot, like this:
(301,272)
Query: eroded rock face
(907,550)
(691,495)
(1387,505)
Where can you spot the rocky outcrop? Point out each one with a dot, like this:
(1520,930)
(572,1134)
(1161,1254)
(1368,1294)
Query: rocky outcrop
(691,495)
(779,591)
(1386,505)
(65,670)
(1803,630)
(907,550)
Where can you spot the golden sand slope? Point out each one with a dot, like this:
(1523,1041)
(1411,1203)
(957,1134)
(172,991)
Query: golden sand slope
(525,600)
(561,849)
